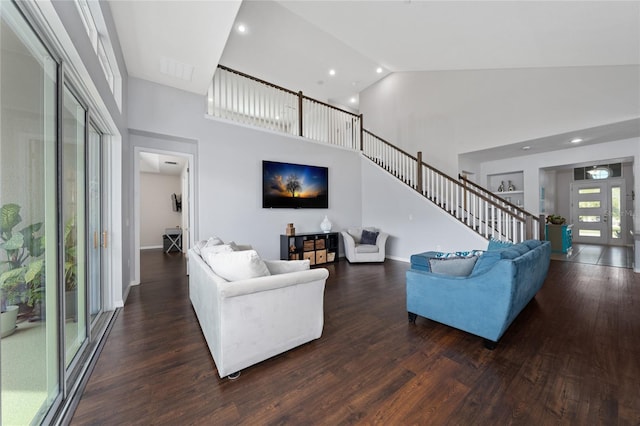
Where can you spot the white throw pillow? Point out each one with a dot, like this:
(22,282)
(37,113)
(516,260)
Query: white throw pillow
(208,252)
(214,241)
(238,265)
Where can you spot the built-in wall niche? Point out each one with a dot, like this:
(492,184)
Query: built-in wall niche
(508,185)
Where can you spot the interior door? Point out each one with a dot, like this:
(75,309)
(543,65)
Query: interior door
(596,207)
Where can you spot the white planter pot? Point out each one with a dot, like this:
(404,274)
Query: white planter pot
(8,320)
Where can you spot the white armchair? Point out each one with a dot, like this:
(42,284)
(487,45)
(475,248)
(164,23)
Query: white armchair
(357,250)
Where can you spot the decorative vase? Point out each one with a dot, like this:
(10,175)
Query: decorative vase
(325,226)
(511,187)
(501,187)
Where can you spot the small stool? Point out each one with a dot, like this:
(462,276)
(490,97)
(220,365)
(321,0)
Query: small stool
(174,239)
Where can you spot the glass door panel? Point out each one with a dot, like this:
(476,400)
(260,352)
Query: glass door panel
(28,223)
(73,221)
(615,218)
(590,209)
(94,224)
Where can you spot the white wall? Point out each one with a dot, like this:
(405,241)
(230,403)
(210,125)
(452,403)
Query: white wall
(446,113)
(414,223)
(156,208)
(228,169)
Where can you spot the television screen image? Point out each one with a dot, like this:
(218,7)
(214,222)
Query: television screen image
(286,185)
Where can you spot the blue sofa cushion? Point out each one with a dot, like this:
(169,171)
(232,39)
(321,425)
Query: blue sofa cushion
(532,243)
(486,261)
(520,248)
(453,266)
(498,245)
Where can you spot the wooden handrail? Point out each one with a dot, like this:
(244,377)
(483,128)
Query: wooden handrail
(330,106)
(390,144)
(256,79)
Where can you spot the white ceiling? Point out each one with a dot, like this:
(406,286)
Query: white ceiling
(175,43)
(151,162)
(295,43)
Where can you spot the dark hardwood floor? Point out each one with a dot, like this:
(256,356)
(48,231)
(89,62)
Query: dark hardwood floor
(571,357)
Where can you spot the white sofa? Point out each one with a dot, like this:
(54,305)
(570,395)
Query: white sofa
(355,251)
(247,321)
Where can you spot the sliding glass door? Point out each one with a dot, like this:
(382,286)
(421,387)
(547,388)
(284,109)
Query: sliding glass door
(96,236)
(29,266)
(51,233)
(74,118)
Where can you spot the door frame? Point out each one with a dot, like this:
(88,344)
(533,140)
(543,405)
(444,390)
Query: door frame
(136,201)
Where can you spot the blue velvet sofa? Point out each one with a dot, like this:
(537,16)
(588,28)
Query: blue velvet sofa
(487,300)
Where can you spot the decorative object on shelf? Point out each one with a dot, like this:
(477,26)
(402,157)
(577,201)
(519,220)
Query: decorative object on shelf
(501,187)
(555,219)
(290,229)
(325,226)
(511,187)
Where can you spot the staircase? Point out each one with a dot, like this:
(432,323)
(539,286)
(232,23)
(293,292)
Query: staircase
(242,98)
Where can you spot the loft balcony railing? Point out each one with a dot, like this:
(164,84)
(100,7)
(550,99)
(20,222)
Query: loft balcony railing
(245,99)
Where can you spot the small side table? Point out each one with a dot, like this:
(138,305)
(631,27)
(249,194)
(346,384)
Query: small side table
(172,240)
(560,236)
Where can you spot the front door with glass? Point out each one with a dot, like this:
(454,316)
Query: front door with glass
(596,211)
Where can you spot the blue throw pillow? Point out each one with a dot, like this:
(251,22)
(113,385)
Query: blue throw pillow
(369,237)
(498,245)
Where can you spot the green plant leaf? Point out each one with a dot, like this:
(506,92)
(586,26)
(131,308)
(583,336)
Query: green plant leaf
(14,243)
(34,269)
(9,217)
(12,277)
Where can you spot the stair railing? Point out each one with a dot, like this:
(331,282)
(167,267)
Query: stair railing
(473,207)
(242,98)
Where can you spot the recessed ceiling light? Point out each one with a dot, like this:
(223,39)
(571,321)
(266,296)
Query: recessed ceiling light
(576,140)
(379,70)
(353,100)
(242,28)
(332,72)
(526,148)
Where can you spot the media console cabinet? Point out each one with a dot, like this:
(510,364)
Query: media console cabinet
(319,248)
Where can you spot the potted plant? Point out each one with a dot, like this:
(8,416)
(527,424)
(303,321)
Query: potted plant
(555,219)
(22,266)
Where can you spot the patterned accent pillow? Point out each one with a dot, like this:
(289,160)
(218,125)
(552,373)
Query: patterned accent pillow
(471,253)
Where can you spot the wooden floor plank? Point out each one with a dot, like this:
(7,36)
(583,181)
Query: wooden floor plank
(571,357)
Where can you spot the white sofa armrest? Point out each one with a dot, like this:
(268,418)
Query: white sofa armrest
(382,240)
(271,282)
(349,244)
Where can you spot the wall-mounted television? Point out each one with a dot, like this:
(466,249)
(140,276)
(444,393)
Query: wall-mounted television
(297,186)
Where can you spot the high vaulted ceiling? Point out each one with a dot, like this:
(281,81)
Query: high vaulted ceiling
(295,43)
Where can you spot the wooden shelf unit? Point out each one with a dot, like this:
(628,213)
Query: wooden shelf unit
(319,248)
